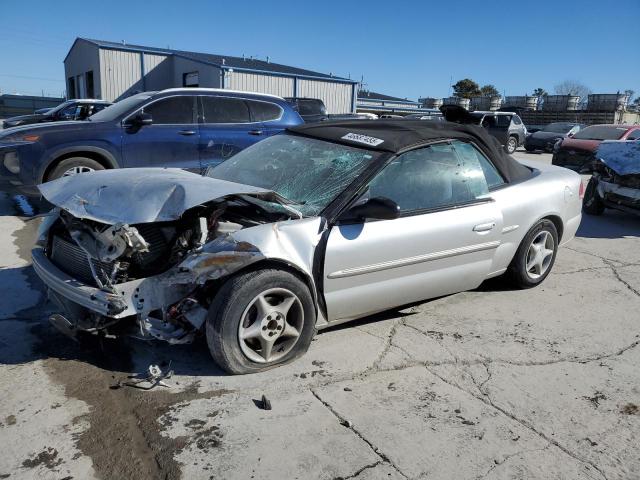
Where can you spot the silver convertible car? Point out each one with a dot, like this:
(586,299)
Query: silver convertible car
(324,224)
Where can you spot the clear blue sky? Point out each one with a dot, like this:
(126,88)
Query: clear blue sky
(402,48)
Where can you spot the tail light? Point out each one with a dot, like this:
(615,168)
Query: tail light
(581,190)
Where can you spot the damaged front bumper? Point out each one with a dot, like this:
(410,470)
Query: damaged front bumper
(134,298)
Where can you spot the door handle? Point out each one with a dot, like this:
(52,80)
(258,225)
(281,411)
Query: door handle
(255,132)
(187,132)
(484,227)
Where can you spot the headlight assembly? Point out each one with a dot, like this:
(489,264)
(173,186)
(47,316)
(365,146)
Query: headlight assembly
(11,162)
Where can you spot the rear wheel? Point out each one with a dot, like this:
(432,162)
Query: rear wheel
(592,203)
(535,255)
(74,166)
(511,145)
(259,320)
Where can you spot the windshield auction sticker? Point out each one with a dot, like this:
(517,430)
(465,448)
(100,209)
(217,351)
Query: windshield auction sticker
(356,137)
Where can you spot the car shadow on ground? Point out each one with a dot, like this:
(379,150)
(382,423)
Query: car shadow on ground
(611,224)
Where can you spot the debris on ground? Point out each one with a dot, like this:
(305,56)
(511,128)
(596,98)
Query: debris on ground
(630,409)
(265,404)
(597,397)
(153,377)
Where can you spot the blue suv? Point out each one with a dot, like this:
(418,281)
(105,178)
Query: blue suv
(190,128)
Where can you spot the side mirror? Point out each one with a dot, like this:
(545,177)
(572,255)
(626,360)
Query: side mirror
(141,119)
(378,207)
(570,134)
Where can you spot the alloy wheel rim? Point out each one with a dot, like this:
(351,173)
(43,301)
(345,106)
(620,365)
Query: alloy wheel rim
(76,170)
(540,254)
(271,325)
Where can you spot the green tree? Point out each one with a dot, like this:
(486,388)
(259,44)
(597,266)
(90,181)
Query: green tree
(539,92)
(489,91)
(466,88)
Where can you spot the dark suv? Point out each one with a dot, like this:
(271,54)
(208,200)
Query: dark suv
(507,127)
(69,110)
(188,128)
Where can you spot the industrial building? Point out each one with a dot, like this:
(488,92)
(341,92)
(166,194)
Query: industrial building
(112,71)
(373,102)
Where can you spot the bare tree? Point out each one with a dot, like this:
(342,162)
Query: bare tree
(572,87)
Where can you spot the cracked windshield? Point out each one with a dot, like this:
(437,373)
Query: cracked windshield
(308,172)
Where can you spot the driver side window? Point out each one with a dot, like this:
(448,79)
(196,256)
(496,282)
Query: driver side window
(433,177)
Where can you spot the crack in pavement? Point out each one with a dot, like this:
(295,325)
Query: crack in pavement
(486,399)
(359,471)
(616,274)
(509,457)
(349,425)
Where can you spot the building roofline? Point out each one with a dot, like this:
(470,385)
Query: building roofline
(185,55)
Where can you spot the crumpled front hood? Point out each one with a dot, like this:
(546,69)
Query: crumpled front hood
(623,157)
(140,195)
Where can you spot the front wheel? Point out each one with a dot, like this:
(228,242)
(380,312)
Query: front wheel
(592,204)
(535,255)
(74,166)
(511,145)
(259,320)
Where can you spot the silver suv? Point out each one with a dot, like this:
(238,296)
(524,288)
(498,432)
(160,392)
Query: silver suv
(505,126)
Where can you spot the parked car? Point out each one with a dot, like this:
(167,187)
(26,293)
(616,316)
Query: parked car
(310,109)
(616,179)
(326,223)
(507,127)
(191,128)
(546,138)
(577,152)
(435,115)
(69,110)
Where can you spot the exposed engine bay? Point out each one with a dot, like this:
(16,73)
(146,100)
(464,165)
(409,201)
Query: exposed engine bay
(617,173)
(183,257)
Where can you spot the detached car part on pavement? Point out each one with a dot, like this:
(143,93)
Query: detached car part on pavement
(616,179)
(324,224)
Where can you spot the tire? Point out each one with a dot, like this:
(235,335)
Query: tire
(518,272)
(511,145)
(592,203)
(237,302)
(78,163)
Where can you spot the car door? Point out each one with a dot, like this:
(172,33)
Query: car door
(268,114)
(443,242)
(226,127)
(170,141)
(499,127)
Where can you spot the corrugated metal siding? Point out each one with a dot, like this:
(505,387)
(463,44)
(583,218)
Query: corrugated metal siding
(119,74)
(152,61)
(336,96)
(251,82)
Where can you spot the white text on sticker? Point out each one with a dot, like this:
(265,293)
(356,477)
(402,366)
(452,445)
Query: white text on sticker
(356,137)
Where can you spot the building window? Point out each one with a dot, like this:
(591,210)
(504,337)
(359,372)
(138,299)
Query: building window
(190,79)
(71,88)
(89,82)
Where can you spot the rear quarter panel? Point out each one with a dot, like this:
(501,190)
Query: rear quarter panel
(551,192)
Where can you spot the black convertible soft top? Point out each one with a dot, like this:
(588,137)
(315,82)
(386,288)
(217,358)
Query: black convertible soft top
(397,135)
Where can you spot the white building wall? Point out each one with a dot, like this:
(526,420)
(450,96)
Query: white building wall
(208,75)
(251,82)
(120,73)
(82,58)
(336,96)
(158,72)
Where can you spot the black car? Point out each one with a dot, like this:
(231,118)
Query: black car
(546,137)
(69,110)
(310,109)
